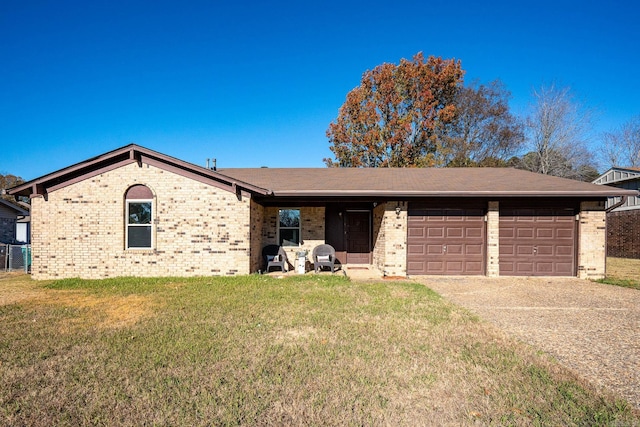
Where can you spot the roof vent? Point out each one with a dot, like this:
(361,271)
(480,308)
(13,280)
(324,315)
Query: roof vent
(212,165)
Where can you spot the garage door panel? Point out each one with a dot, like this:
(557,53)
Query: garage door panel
(455,249)
(473,249)
(416,232)
(454,232)
(565,234)
(435,267)
(544,250)
(474,232)
(435,232)
(454,241)
(524,233)
(454,267)
(569,218)
(523,267)
(506,251)
(524,249)
(415,265)
(415,249)
(507,268)
(537,242)
(507,232)
(565,268)
(544,233)
(474,267)
(434,249)
(544,268)
(564,250)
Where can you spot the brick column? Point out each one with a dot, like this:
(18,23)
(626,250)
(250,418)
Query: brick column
(493,239)
(592,232)
(395,239)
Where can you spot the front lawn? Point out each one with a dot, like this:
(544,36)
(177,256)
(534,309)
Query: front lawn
(310,350)
(623,272)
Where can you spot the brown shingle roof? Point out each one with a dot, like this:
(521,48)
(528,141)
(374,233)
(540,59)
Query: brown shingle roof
(414,182)
(333,182)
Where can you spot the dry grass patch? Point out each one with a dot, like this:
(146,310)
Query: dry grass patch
(104,311)
(623,272)
(263,351)
(15,287)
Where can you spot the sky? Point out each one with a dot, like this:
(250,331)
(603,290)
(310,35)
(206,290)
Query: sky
(257,83)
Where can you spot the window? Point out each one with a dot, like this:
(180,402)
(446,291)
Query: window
(289,227)
(139,214)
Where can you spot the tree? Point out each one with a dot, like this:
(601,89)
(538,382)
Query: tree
(6,182)
(622,147)
(394,117)
(562,167)
(484,132)
(557,130)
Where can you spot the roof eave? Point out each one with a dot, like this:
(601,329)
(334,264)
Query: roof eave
(126,155)
(412,194)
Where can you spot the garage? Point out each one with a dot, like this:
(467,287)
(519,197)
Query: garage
(446,241)
(538,241)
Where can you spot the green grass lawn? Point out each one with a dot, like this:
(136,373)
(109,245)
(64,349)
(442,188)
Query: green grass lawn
(310,350)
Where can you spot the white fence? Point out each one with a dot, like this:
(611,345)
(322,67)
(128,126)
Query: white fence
(15,258)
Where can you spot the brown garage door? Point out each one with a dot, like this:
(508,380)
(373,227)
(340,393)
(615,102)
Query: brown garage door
(537,242)
(446,241)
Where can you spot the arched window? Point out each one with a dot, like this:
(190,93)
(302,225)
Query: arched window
(139,218)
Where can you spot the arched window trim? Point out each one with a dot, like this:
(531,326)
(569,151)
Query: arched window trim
(139,218)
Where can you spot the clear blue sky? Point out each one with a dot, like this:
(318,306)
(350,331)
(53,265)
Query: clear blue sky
(257,83)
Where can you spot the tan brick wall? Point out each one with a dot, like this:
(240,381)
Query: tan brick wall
(390,254)
(592,236)
(493,239)
(312,232)
(200,229)
(379,236)
(257,225)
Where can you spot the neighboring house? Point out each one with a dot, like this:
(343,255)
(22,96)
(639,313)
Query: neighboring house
(14,223)
(137,212)
(623,217)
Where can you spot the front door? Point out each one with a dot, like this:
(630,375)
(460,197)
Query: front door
(358,237)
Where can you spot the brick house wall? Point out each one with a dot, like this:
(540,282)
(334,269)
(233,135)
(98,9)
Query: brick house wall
(379,236)
(591,240)
(493,239)
(79,231)
(623,234)
(390,244)
(257,226)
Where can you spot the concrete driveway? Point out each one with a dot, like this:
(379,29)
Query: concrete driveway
(591,328)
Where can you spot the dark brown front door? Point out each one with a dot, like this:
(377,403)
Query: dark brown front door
(537,242)
(358,238)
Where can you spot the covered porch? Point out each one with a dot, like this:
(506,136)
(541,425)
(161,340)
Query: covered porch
(369,237)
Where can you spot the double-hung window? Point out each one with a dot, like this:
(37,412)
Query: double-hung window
(139,218)
(289,227)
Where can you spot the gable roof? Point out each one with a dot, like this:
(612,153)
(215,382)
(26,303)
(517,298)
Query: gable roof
(123,156)
(18,209)
(413,182)
(616,175)
(332,182)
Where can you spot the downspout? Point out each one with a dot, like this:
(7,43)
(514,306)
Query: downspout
(617,205)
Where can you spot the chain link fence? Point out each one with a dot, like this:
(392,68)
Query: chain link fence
(15,258)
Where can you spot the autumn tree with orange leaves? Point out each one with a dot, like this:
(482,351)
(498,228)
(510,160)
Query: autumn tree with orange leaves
(394,117)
